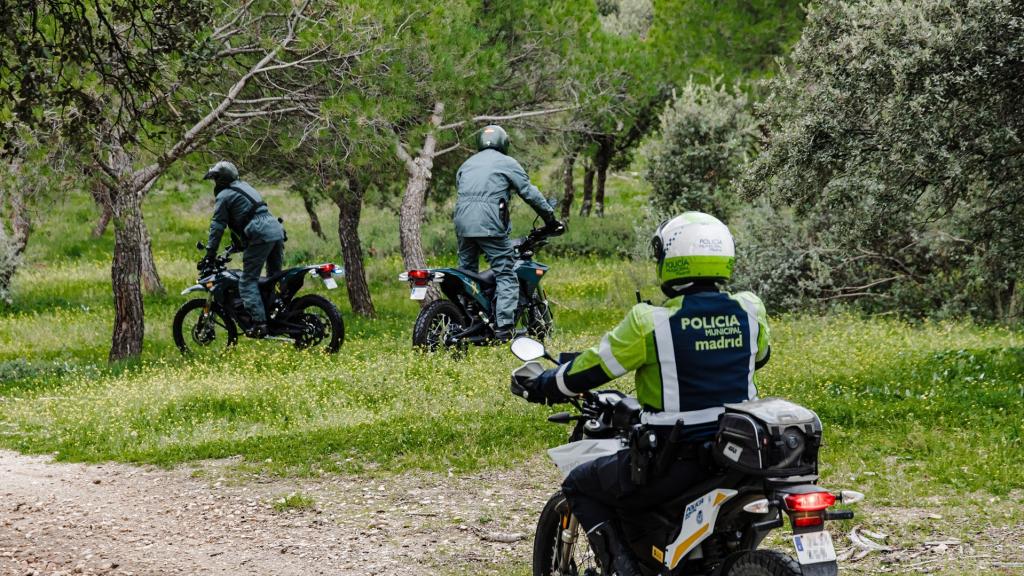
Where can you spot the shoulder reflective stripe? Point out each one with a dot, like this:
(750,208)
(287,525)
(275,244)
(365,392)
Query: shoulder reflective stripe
(560,380)
(667,360)
(609,359)
(689,418)
(751,309)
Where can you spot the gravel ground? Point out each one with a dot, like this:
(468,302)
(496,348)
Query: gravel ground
(115,519)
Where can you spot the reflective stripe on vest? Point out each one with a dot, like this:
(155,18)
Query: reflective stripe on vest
(609,359)
(665,346)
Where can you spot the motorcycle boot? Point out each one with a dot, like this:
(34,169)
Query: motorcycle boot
(504,333)
(258,330)
(611,547)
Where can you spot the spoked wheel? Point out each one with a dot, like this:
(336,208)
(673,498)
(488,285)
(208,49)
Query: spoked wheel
(539,320)
(322,326)
(197,329)
(765,563)
(437,321)
(560,548)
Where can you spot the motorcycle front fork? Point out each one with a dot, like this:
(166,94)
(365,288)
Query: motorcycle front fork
(570,532)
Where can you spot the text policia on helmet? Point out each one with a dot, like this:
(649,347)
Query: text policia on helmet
(693,245)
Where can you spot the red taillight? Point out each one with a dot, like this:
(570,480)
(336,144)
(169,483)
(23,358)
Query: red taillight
(807,520)
(810,502)
(328,268)
(419,274)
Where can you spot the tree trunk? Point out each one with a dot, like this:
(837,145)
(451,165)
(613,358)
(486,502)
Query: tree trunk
(350,207)
(96,189)
(410,216)
(314,220)
(588,188)
(125,198)
(20,228)
(602,161)
(150,277)
(125,275)
(568,185)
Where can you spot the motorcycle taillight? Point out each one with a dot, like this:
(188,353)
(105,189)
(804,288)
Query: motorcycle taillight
(810,501)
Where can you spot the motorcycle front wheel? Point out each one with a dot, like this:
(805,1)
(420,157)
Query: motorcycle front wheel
(321,322)
(560,548)
(436,322)
(539,319)
(197,329)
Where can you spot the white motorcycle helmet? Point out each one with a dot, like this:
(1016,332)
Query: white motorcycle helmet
(693,246)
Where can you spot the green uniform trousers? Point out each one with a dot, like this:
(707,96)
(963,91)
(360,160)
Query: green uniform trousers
(253,259)
(501,257)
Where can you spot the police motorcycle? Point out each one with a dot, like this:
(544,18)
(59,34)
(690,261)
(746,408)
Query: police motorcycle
(763,466)
(211,322)
(466,314)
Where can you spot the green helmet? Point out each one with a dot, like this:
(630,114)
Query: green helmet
(222,172)
(693,246)
(495,137)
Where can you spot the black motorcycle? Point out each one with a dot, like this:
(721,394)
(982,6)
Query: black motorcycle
(762,469)
(466,314)
(309,322)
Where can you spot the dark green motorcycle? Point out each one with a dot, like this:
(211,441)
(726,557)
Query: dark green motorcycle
(308,322)
(466,313)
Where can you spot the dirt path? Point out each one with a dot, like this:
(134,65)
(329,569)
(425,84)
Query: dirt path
(118,519)
(115,519)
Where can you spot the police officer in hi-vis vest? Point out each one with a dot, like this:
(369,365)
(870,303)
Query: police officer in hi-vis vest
(692,354)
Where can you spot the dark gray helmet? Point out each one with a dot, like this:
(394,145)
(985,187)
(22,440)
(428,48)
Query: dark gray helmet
(495,137)
(222,172)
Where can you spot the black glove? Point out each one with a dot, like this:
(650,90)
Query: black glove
(206,263)
(554,228)
(528,389)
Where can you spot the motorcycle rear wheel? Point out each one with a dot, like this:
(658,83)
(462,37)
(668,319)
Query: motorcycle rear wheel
(324,321)
(548,548)
(202,332)
(765,563)
(435,323)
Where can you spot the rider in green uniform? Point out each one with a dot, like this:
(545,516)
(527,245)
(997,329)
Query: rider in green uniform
(485,185)
(241,209)
(692,354)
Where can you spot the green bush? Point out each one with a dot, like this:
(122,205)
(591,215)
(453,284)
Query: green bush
(707,135)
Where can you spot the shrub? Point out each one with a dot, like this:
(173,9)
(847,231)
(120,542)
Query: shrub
(707,135)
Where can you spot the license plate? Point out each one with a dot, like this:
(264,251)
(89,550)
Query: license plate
(814,547)
(330,283)
(418,293)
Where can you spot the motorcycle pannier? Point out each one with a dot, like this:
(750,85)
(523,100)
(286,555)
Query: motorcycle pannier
(769,437)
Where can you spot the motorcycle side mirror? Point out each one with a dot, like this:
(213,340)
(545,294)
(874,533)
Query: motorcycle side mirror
(200,245)
(527,349)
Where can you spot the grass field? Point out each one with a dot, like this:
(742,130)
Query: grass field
(933,408)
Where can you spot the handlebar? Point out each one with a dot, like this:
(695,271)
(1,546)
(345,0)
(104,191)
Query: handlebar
(537,238)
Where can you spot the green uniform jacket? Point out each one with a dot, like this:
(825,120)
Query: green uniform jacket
(485,182)
(230,211)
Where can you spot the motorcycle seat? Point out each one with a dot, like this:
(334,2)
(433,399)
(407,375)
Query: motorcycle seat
(268,281)
(485,278)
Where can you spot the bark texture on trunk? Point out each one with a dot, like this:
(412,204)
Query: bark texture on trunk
(125,199)
(350,207)
(568,186)
(96,189)
(410,217)
(601,162)
(150,277)
(21,225)
(314,220)
(588,188)
(126,276)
